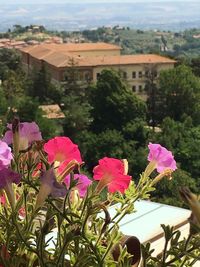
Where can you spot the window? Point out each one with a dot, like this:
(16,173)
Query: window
(124,75)
(134,88)
(88,76)
(140,88)
(133,74)
(98,75)
(140,74)
(147,73)
(80,76)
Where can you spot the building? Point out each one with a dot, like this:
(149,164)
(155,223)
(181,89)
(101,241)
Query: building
(52,111)
(90,59)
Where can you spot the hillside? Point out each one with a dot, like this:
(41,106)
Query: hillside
(176,44)
(165,15)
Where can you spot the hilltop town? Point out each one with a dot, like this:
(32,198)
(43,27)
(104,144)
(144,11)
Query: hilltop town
(183,44)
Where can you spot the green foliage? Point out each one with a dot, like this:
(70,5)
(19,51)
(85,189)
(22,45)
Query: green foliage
(114,105)
(184,140)
(9,60)
(180,93)
(82,234)
(16,97)
(195,65)
(75,104)
(26,108)
(128,144)
(77,114)
(48,127)
(176,252)
(42,88)
(95,146)
(168,192)
(3,102)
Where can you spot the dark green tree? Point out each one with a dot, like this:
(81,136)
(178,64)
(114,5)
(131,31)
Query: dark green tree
(180,90)
(75,102)
(42,88)
(114,105)
(168,191)
(154,96)
(195,65)
(9,60)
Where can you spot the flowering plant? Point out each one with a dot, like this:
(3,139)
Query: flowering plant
(52,214)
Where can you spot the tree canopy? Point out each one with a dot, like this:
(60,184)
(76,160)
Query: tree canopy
(114,105)
(180,90)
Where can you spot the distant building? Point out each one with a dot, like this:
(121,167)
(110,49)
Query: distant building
(52,111)
(90,59)
(11,43)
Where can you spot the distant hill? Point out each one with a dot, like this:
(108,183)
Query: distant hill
(164,15)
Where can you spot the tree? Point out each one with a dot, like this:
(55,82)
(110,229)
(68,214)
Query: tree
(117,129)
(195,65)
(9,60)
(153,95)
(75,102)
(114,143)
(77,115)
(183,139)
(42,88)
(164,41)
(114,105)
(180,90)
(168,191)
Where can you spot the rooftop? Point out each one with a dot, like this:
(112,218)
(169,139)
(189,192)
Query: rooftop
(60,55)
(123,60)
(52,111)
(72,47)
(63,60)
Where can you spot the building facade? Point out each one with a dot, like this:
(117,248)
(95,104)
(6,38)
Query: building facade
(89,59)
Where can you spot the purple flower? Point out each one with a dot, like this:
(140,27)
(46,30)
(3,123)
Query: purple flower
(28,132)
(82,184)
(5,155)
(8,176)
(161,157)
(49,186)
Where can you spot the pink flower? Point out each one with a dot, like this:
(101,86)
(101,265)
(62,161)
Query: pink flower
(62,149)
(28,132)
(111,173)
(82,184)
(5,155)
(2,199)
(161,157)
(49,186)
(8,176)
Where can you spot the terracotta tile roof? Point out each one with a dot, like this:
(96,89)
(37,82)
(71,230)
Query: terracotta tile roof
(59,55)
(4,40)
(17,43)
(58,59)
(73,47)
(120,60)
(52,111)
(37,51)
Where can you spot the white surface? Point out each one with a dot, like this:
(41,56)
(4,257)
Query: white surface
(145,222)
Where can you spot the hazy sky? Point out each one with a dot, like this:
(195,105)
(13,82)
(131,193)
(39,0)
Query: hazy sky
(84,1)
